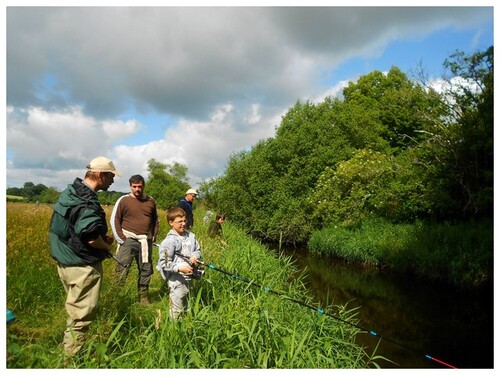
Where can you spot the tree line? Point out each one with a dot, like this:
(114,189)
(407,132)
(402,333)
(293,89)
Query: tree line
(167,183)
(391,148)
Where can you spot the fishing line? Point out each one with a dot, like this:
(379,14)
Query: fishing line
(318,310)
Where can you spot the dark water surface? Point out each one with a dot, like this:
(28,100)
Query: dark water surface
(424,318)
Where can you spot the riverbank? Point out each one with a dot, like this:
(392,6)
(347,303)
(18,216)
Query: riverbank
(231,324)
(460,254)
(453,324)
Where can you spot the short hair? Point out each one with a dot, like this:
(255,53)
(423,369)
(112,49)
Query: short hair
(220,215)
(91,175)
(174,213)
(135,179)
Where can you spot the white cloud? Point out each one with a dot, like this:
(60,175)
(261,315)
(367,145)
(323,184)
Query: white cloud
(42,141)
(253,116)
(120,129)
(53,148)
(221,76)
(203,146)
(334,92)
(59,139)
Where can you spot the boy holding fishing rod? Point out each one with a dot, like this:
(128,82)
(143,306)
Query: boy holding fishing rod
(179,255)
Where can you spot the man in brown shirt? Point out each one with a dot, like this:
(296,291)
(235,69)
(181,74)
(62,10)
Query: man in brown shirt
(135,224)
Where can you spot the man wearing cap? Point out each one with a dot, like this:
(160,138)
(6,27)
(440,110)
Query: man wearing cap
(135,224)
(79,243)
(186,204)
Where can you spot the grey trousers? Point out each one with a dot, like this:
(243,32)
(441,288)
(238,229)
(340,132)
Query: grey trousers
(130,250)
(179,290)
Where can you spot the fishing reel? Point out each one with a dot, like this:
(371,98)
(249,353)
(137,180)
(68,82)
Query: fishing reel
(197,273)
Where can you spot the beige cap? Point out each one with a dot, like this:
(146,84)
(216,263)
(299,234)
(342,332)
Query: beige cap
(191,191)
(102,164)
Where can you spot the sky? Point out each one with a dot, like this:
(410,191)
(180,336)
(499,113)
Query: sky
(196,84)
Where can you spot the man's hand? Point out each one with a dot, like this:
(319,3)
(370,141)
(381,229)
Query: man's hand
(101,242)
(109,240)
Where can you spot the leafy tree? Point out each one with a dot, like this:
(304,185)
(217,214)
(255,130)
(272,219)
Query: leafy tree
(394,106)
(231,192)
(278,179)
(459,150)
(167,183)
(371,183)
(39,189)
(109,197)
(49,195)
(178,171)
(473,142)
(14,191)
(392,148)
(267,187)
(28,190)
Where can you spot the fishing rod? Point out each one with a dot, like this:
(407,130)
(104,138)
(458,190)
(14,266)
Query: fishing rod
(115,259)
(110,255)
(318,310)
(124,267)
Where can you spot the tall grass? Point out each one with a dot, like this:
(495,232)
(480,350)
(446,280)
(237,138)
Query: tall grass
(231,324)
(460,254)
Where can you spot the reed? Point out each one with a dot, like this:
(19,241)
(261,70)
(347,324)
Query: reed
(460,254)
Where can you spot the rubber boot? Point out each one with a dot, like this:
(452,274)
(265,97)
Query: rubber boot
(143,295)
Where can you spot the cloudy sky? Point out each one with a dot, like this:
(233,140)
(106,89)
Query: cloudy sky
(195,84)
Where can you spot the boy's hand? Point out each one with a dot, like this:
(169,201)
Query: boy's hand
(185,269)
(193,260)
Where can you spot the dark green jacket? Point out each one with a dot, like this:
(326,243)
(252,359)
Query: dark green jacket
(77,218)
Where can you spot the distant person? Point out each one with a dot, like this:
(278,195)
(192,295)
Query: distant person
(207,217)
(79,243)
(135,225)
(215,228)
(186,204)
(179,253)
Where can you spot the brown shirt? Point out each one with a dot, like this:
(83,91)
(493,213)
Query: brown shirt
(138,216)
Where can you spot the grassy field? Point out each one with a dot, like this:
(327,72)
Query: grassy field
(231,323)
(15,198)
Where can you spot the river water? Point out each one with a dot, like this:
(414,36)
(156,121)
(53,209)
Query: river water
(421,317)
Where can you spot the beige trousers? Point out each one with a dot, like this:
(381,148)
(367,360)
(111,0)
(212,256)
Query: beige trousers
(82,285)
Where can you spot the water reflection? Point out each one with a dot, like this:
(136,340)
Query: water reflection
(424,317)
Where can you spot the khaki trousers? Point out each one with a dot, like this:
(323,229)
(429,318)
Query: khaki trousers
(82,285)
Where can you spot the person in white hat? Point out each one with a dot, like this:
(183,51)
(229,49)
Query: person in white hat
(102,164)
(79,243)
(186,204)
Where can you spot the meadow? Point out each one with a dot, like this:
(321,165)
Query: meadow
(231,324)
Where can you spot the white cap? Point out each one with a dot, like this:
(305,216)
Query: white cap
(191,191)
(102,164)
